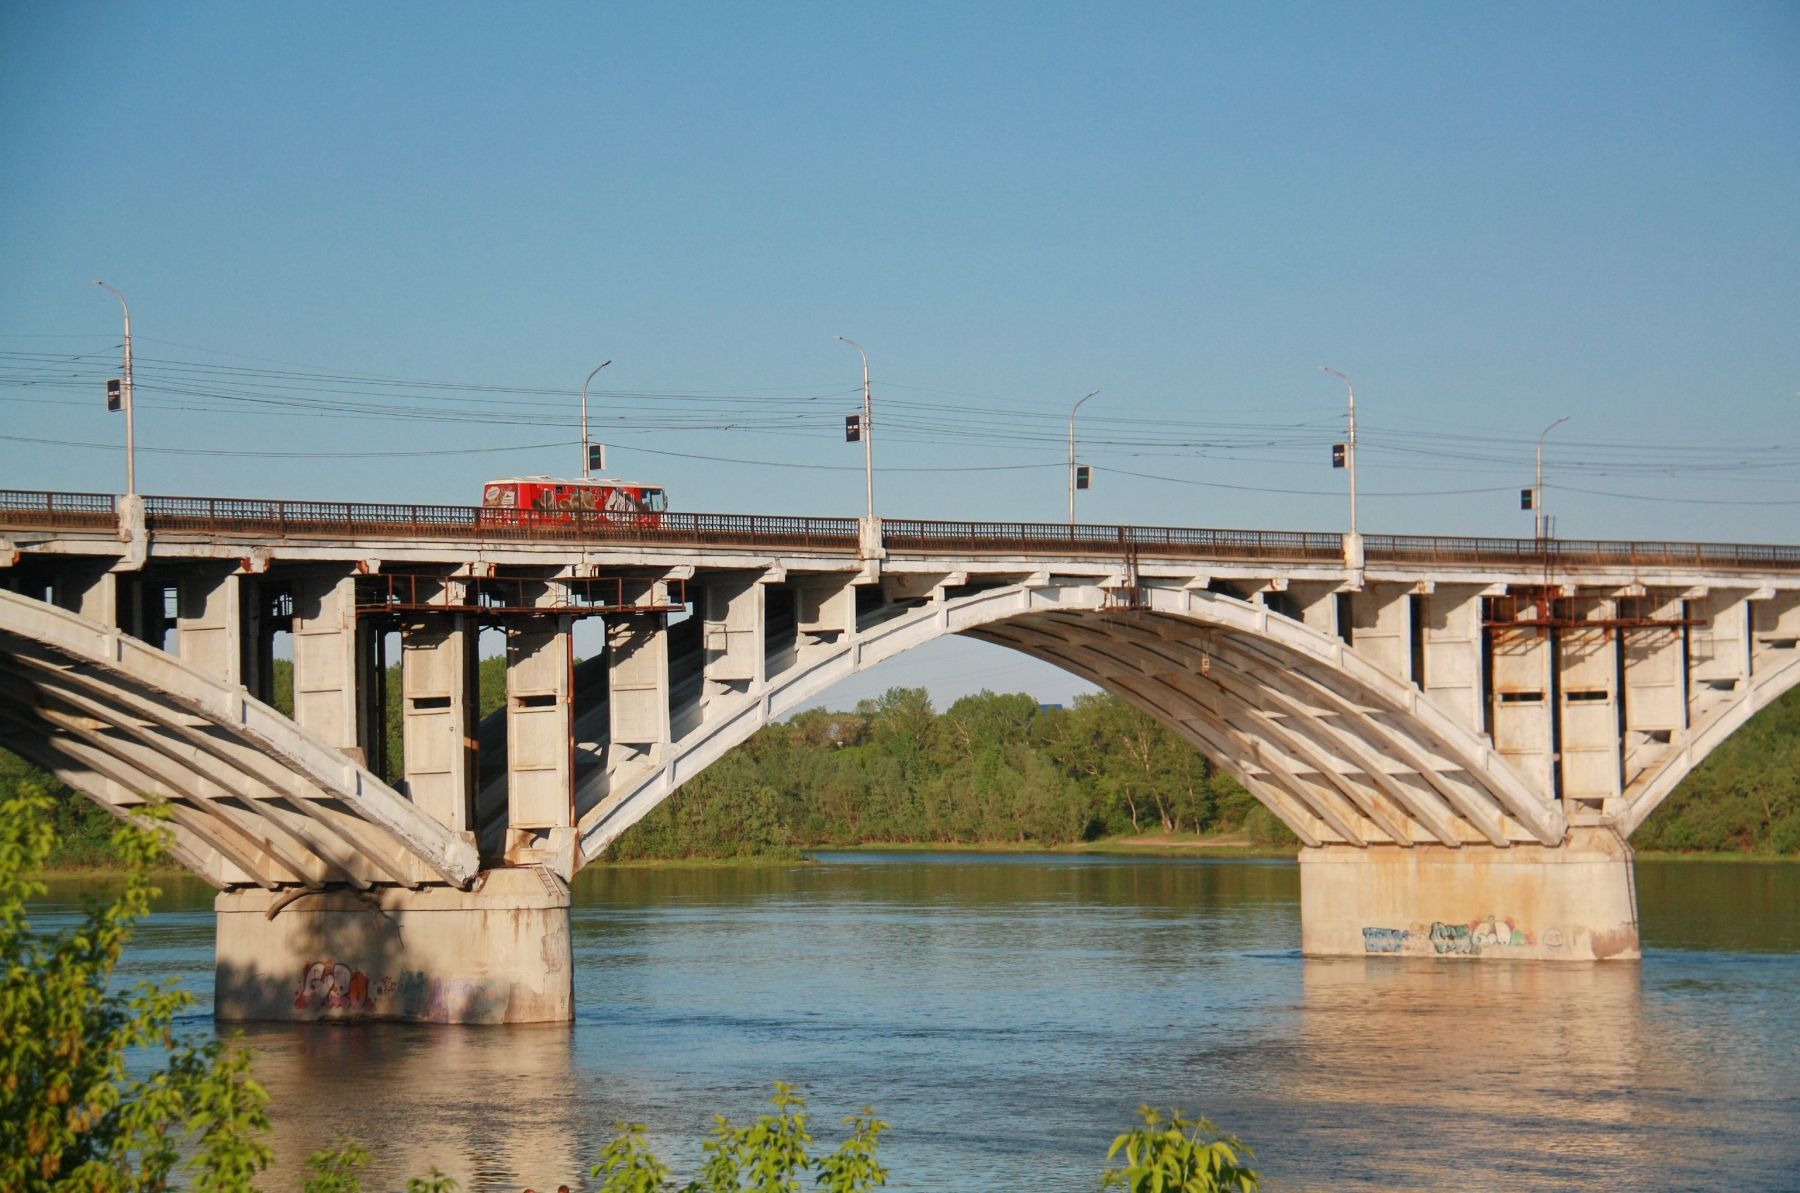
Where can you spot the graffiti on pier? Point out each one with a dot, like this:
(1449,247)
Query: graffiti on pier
(1385,940)
(333,990)
(333,986)
(1451,938)
(1489,934)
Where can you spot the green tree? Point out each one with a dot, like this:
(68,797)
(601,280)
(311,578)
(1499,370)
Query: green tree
(767,1156)
(1172,1154)
(70,1117)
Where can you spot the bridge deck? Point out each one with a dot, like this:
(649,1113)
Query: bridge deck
(302,520)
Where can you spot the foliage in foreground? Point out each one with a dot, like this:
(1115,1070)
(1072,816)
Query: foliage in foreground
(768,1156)
(1178,1155)
(71,1118)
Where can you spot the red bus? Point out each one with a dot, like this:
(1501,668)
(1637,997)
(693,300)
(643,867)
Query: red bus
(538,499)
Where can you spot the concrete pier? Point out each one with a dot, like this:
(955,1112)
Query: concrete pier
(1572,902)
(496,954)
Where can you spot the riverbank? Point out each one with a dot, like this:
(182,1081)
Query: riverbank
(1721,855)
(1138,845)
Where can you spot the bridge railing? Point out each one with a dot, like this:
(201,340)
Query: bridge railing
(1112,541)
(313,518)
(77,511)
(1552,553)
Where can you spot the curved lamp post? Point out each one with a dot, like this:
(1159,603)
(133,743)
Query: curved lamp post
(1537,489)
(125,399)
(868,429)
(584,416)
(1078,406)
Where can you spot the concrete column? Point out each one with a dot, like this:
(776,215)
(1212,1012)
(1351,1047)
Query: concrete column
(637,676)
(1521,703)
(733,645)
(440,694)
(325,655)
(826,609)
(497,954)
(1316,605)
(1571,902)
(540,735)
(1776,628)
(1655,707)
(1451,633)
(1381,627)
(1588,705)
(1719,658)
(94,594)
(209,623)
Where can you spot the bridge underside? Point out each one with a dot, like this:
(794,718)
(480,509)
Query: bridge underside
(1462,750)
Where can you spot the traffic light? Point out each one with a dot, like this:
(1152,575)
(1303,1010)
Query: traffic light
(1084,478)
(115,395)
(853,428)
(1527,499)
(596,457)
(1337,455)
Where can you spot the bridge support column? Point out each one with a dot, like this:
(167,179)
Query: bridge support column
(497,954)
(1571,902)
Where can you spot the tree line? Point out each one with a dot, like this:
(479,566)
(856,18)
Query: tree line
(989,769)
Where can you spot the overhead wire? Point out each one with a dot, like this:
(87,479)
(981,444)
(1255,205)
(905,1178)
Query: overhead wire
(296,391)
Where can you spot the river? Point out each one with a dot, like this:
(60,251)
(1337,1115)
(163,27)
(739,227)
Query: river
(1008,1013)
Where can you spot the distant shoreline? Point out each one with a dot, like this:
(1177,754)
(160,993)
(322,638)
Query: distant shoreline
(1143,845)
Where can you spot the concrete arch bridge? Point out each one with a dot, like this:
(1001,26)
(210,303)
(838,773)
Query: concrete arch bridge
(1463,733)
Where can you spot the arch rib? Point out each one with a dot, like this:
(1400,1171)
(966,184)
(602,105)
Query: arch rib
(1297,816)
(144,677)
(1342,701)
(1240,709)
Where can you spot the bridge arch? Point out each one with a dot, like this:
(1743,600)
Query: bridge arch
(1341,751)
(253,797)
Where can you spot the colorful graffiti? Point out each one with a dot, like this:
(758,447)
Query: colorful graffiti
(333,986)
(331,989)
(1385,940)
(1490,934)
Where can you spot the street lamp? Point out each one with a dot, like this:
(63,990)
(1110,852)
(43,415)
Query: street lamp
(125,399)
(868,429)
(584,418)
(1537,490)
(1078,406)
(1350,446)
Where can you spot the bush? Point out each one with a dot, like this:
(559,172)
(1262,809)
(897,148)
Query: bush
(69,1116)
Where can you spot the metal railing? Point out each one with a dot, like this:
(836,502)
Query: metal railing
(1554,553)
(1112,541)
(275,520)
(301,519)
(75,511)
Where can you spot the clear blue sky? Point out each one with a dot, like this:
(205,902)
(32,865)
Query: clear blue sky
(1488,216)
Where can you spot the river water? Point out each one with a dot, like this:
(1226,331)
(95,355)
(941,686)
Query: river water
(1007,1014)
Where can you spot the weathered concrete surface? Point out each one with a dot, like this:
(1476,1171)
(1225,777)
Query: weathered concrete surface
(1573,902)
(496,954)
